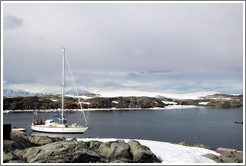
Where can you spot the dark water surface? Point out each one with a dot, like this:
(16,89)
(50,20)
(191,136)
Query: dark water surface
(210,126)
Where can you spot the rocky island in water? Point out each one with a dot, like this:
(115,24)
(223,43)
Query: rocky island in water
(95,101)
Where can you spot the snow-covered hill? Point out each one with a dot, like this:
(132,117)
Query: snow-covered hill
(16,93)
(23,93)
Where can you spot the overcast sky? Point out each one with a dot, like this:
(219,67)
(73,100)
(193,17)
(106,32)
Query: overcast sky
(166,47)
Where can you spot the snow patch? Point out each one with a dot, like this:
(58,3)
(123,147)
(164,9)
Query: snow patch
(88,103)
(181,106)
(222,98)
(169,102)
(203,103)
(81,97)
(6,111)
(115,102)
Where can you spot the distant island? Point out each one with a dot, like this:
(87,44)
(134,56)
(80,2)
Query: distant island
(96,101)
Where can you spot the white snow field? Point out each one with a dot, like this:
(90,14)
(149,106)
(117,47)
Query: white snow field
(168,152)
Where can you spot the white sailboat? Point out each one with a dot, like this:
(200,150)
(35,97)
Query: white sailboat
(51,126)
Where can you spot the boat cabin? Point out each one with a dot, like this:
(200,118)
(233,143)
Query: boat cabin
(49,122)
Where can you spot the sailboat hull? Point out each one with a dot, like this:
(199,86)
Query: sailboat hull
(55,129)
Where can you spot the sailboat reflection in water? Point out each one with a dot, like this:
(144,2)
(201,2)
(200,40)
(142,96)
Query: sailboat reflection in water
(51,126)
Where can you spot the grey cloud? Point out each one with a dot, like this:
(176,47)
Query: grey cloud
(157,46)
(111,84)
(12,22)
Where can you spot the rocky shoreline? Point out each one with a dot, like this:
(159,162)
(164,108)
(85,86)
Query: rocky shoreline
(94,102)
(43,149)
(21,148)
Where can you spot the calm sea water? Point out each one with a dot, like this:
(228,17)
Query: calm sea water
(210,126)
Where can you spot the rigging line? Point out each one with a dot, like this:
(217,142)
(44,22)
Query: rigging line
(76,91)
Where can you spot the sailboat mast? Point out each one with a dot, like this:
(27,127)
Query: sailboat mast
(63,84)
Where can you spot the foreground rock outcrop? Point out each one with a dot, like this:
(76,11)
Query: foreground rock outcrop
(43,149)
(227,155)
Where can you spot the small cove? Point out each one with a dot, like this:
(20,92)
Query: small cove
(212,127)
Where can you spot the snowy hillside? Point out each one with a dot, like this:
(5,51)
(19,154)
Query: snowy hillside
(16,93)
